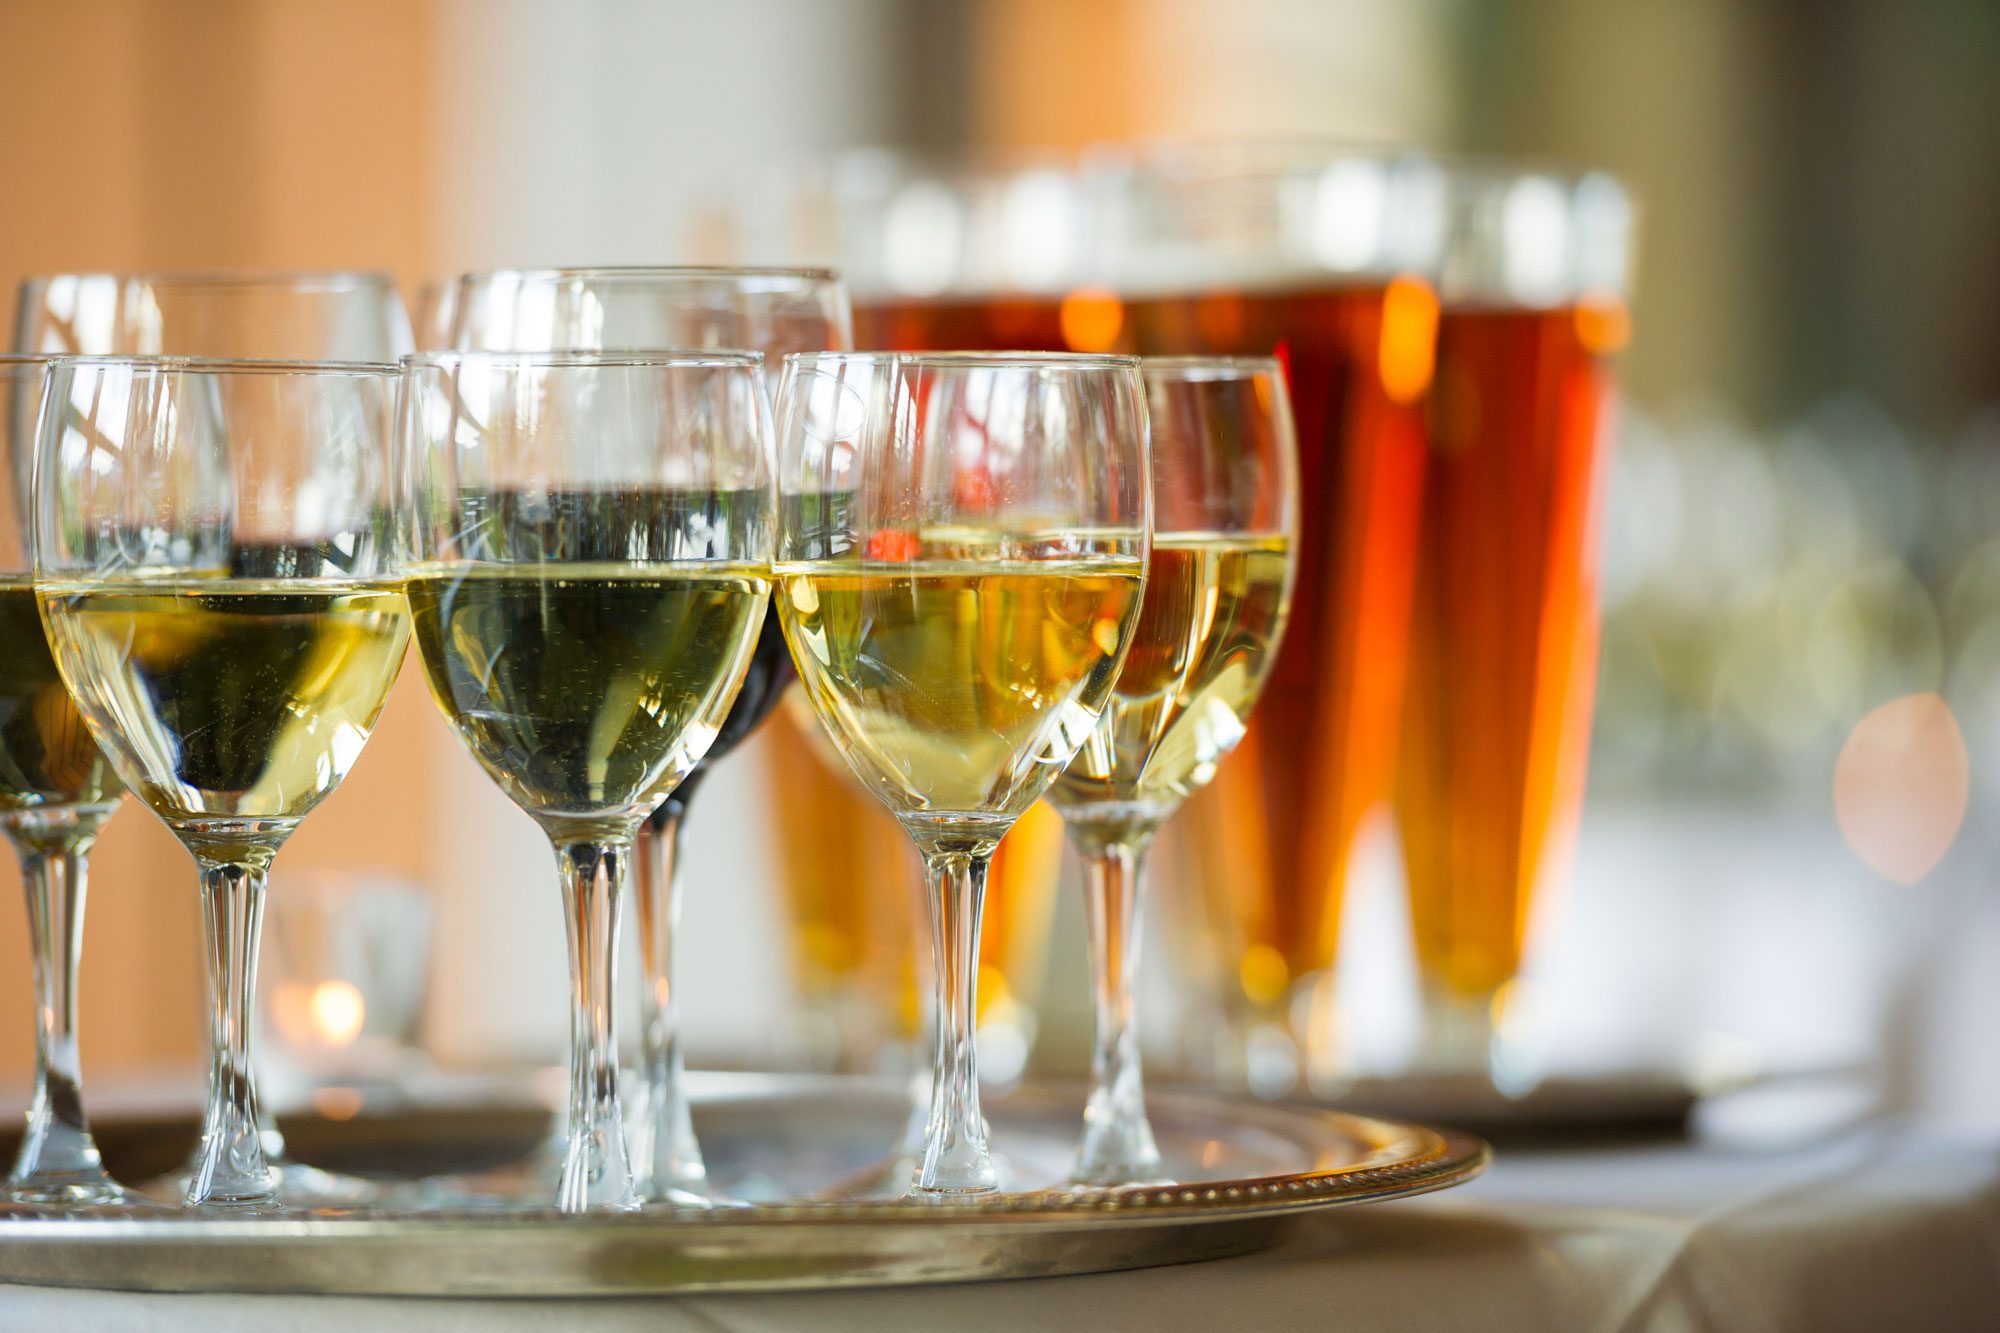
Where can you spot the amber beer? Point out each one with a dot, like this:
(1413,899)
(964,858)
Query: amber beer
(1272,835)
(854,884)
(1266,845)
(1503,642)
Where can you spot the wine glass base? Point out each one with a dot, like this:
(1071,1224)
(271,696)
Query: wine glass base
(84,1192)
(293,1184)
(893,1178)
(1106,1178)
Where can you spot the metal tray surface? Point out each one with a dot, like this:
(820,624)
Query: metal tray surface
(1244,1173)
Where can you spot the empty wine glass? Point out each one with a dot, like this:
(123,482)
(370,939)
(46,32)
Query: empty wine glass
(961,552)
(56,792)
(594,564)
(218,562)
(1219,581)
(768,310)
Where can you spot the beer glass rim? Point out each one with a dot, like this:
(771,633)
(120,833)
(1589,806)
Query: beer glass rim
(556,359)
(945,360)
(803,275)
(332,279)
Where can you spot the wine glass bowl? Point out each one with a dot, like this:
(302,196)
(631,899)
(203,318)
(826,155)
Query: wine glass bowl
(218,559)
(961,553)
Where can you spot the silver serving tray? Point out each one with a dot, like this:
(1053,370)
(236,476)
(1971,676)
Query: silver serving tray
(1245,1171)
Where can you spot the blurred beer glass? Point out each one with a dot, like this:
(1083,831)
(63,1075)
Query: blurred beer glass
(1503,639)
(1323,257)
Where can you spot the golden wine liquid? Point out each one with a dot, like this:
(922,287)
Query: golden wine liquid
(853,893)
(1504,640)
(1211,619)
(959,687)
(224,698)
(47,757)
(586,690)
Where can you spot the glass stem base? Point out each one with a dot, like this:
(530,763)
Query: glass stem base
(597,1168)
(230,1168)
(955,1161)
(1118,1146)
(58,1162)
(666,1155)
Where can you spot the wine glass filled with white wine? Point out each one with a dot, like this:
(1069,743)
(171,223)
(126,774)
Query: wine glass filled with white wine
(593,568)
(218,556)
(1219,581)
(56,792)
(768,310)
(961,553)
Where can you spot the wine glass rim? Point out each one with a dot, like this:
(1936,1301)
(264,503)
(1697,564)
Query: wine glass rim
(228,365)
(1017,360)
(557,358)
(330,279)
(802,274)
(1209,367)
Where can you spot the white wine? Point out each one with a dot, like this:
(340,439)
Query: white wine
(959,686)
(225,699)
(47,757)
(1208,630)
(587,690)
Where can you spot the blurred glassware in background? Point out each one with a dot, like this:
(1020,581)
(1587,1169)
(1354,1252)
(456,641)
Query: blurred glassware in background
(334,315)
(770,310)
(56,792)
(1503,637)
(346,963)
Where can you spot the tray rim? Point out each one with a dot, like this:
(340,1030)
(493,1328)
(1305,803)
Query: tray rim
(661,1248)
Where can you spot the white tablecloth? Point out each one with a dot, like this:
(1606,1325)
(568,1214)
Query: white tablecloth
(1880,1228)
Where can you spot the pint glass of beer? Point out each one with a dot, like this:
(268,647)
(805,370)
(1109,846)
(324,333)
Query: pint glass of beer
(1325,258)
(1503,638)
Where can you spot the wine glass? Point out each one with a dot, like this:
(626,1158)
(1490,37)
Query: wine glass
(768,310)
(594,563)
(1218,586)
(56,792)
(961,552)
(330,315)
(217,556)
(336,315)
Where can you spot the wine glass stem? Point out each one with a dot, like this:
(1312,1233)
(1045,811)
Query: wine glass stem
(1117,1143)
(666,1152)
(597,1170)
(57,1153)
(230,1165)
(955,1159)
